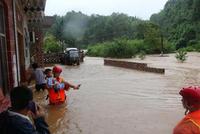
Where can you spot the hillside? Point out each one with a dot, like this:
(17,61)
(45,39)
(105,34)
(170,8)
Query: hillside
(180,22)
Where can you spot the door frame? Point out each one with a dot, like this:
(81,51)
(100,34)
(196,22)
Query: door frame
(3,53)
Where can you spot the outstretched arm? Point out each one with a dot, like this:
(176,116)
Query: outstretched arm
(72,86)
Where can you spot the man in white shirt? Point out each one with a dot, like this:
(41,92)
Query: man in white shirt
(38,75)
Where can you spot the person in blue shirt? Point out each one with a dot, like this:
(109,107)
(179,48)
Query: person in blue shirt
(16,120)
(49,78)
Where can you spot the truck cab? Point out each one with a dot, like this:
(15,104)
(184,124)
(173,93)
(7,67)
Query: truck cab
(71,56)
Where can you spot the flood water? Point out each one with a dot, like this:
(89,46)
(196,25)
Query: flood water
(114,100)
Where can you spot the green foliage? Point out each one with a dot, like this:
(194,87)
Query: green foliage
(117,35)
(152,36)
(70,28)
(57,28)
(97,50)
(79,30)
(51,45)
(168,47)
(190,49)
(181,55)
(197,47)
(193,46)
(179,21)
(142,55)
(120,48)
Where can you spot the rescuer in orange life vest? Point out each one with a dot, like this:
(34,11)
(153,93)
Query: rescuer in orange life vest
(58,87)
(190,124)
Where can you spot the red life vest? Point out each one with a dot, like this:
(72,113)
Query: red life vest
(189,125)
(57,97)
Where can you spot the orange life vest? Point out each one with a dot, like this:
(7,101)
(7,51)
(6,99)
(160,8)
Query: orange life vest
(189,125)
(57,97)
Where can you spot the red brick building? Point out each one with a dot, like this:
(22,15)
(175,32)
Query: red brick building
(19,18)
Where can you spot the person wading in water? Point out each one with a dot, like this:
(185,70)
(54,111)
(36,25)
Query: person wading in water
(57,87)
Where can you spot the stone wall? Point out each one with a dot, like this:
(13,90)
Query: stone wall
(52,58)
(133,65)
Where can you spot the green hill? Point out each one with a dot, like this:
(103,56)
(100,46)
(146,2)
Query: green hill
(180,22)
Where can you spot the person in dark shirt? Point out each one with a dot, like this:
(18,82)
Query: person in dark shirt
(16,119)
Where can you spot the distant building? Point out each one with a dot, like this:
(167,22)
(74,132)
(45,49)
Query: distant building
(20,30)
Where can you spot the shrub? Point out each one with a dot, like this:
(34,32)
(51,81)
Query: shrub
(123,48)
(181,55)
(96,50)
(190,48)
(169,47)
(197,47)
(51,45)
(142,55)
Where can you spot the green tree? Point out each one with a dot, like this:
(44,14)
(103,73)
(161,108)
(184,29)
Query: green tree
(151,34)
(51,45)
(179,21)
(57,28)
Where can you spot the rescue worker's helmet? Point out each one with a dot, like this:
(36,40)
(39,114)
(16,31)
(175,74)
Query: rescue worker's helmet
(57,69)
(191,95)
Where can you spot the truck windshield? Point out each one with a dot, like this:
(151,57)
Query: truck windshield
(73,53)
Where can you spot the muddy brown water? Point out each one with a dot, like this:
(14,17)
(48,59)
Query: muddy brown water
(114,100)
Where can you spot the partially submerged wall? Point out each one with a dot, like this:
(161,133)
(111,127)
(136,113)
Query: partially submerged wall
(133,65)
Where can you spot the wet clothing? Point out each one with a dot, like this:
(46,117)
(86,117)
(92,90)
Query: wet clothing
(57,93)
(15,123)
(40,86)
(50,82)
(53,83)
(40,82)
(56,97)
(190,124)
(39,76)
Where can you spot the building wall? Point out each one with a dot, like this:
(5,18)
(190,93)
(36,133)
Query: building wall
(22,41)
(17,52)
(15,24)
(39,50)
(11,60)
(36,49)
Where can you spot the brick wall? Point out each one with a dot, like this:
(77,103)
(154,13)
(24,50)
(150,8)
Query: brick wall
(10,40)
(10,53)
(133,65)
(37,49)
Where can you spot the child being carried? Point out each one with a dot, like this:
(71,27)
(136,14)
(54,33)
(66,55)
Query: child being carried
(51,82)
